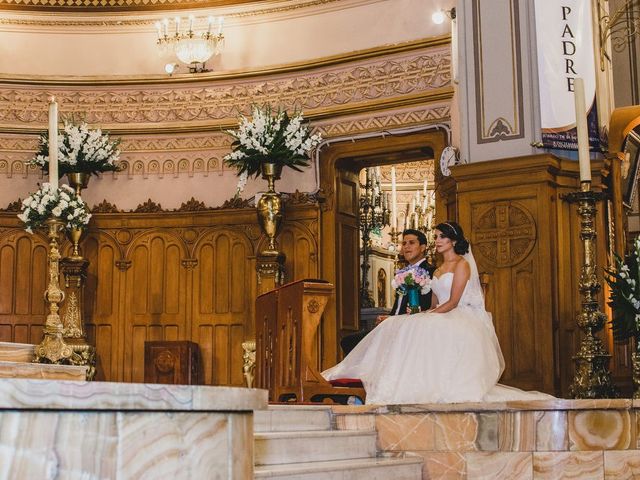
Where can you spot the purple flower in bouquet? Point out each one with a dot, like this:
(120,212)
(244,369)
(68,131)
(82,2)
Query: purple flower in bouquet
(412,277)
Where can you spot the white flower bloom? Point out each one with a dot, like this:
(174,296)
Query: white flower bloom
(57,211)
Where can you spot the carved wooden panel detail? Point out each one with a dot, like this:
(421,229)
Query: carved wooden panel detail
(504,233)
(165,276)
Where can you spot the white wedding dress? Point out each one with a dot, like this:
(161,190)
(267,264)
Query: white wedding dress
(433,357)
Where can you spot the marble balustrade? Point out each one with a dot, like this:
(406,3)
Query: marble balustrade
(555,439)
(99,430)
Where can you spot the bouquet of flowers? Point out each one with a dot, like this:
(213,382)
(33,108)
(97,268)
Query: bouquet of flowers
(270,138)
(80,150)
(411,278)
(624,281)
(47,202)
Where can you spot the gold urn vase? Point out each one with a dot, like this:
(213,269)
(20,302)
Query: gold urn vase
(78,181)
(269,206)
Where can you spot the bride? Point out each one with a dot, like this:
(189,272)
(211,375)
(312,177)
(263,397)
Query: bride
(448,354)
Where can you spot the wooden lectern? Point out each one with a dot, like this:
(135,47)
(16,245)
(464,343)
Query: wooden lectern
(288,344)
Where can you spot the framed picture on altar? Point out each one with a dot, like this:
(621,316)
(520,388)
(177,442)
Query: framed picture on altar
(630,168)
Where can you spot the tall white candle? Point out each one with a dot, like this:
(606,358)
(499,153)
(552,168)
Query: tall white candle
(191,20)
(53,142)
(209,24)
(424,189)
(220,23)
(394,200)
(177,21)
(582,130)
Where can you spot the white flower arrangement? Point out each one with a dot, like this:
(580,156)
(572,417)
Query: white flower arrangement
(80,150)
(624,280)
(270,138)
(62,203)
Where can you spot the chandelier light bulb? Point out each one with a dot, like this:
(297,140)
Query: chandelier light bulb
(170,68)
(438,17)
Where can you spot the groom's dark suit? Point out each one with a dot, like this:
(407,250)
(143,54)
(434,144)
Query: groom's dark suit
(349,342)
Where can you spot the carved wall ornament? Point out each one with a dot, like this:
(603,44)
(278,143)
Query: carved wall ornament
(14,206)
(123,265)
(105,207)
(192,205)
(236,202)
(313,306)
(189,263)
(332,88)
(165,362)
(503,233)
(300,198)
(148,207)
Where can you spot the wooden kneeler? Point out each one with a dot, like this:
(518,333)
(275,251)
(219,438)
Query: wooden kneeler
(288,344)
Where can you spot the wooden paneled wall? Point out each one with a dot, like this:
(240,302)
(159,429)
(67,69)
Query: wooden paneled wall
(157,276)
(525,236)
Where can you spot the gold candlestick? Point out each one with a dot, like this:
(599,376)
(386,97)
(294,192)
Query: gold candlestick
(53,348)
(592,378)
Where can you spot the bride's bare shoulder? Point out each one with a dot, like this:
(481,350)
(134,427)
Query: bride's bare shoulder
(462,266)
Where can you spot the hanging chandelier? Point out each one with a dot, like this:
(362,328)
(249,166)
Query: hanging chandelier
(191,47)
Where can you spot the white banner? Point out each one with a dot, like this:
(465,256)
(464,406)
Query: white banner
(565,51)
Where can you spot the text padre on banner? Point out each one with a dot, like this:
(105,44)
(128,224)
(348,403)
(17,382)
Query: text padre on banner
(565,52)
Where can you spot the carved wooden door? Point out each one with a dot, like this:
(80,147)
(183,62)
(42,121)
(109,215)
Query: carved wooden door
(347,252)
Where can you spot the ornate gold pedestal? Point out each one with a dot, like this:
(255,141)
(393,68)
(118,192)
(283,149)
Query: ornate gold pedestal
(269,207)
(592,377)
(53,348)
(74,270)
(270,267)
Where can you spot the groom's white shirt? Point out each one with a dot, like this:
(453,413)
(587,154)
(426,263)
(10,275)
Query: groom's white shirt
(400,295)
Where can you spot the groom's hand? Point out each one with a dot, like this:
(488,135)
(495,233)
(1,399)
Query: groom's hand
(380,319)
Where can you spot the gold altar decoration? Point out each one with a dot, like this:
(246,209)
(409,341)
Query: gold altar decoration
(249,361)
(592,378)
(74,270)
(269,207)
(53,348)
(78,181)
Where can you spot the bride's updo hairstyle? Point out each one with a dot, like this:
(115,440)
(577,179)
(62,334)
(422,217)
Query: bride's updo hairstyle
(453,231)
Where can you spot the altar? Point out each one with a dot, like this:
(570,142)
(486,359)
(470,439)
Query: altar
(64,429)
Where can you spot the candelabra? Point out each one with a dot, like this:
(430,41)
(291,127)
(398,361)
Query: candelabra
(374,214)
(592,378)
(421,218)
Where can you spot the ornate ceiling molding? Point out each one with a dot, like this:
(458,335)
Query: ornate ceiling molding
(192,155)
(249,7)
(408,78)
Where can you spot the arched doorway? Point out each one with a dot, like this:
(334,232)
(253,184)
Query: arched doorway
(339,166)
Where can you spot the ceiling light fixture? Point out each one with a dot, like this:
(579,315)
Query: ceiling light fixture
(190,47)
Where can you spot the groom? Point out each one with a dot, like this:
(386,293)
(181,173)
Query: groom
(414,244)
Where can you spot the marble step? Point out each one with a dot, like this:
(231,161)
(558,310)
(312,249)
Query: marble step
(407,468)
(42,371)
(292,418)
(275,448)
(16,352)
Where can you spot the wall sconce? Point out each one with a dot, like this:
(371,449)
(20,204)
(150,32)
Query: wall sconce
(191,48)
(438,18)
